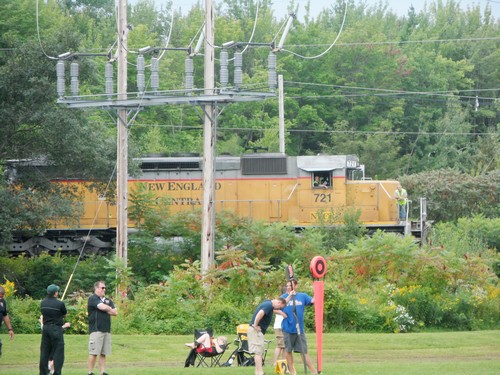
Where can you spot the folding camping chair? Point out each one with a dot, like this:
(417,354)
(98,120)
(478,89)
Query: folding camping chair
(242,353)
(204,358)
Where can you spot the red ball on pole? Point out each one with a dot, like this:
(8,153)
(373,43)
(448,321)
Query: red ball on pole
(318,267)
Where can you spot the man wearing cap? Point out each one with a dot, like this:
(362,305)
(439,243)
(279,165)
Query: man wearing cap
(52,346)
(100,310)
(4,317)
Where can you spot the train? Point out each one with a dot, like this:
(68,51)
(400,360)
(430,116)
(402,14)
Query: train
(298,191)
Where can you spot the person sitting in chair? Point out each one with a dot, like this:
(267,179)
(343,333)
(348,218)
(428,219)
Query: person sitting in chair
(205,343)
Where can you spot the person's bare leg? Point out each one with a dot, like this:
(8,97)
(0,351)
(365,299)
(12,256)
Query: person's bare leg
(310,364)
(258,364)
(277,353)
(204,340)
(92,359)
(289,361)
(102,363)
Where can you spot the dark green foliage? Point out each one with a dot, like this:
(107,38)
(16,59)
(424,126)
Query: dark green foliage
(33,275)
(383,283)
(34,126)
(344,312)
(152,259)
(169,240)
(27,311)
(338,236)
(452,194)
(468,235)
(414,288)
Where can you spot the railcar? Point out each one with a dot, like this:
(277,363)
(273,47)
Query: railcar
(300,191)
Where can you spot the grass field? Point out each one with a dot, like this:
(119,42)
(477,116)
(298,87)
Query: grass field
(343,353)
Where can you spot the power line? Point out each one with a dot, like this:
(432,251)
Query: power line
(357,132)
(106,50)
(391,95)
(329,47)
(380,89)
(38,34)
(390,92)
(254,26)
(399,42)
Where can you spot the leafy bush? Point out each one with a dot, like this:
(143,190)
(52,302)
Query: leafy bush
(338,229)
(24,315)
(468,235)
(383,283)
(33,275)
(420,302)
(77,314)
(422,286)
(348,312)
(452,194)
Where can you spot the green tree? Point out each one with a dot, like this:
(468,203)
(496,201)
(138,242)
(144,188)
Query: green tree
(452,195)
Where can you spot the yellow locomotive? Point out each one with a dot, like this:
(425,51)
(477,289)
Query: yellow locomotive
(300,191)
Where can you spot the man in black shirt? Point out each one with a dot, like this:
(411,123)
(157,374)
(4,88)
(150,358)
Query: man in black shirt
(100,309)
(4,316)
(52,346)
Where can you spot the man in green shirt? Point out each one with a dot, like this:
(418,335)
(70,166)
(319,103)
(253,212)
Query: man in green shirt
(401,197)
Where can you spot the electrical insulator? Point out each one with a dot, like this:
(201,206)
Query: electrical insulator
(141,81)
(271,66)
(61,84)
(155,78)
(74,70)
(285,33)
(189,71)
(224,72)
(238,73)
(108,77)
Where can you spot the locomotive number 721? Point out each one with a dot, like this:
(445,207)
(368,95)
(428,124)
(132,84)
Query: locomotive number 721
(322,198)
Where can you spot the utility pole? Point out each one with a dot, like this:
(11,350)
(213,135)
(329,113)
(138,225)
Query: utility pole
(122,103)
(122,138)
(281,113)
(209,131)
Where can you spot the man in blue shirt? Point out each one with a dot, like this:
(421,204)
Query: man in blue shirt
(294,340)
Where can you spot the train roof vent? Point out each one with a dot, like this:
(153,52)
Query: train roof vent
(170,165)
(260,164)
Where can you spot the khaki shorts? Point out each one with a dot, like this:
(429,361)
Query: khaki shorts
(255,341)
(100,343)
(280,340)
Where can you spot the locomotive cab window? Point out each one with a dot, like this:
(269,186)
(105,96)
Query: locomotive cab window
(321,180)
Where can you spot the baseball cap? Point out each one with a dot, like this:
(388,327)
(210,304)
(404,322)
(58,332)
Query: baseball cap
(52,288)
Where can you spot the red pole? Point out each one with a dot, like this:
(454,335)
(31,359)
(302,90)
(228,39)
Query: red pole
(318,270)
(319,290)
